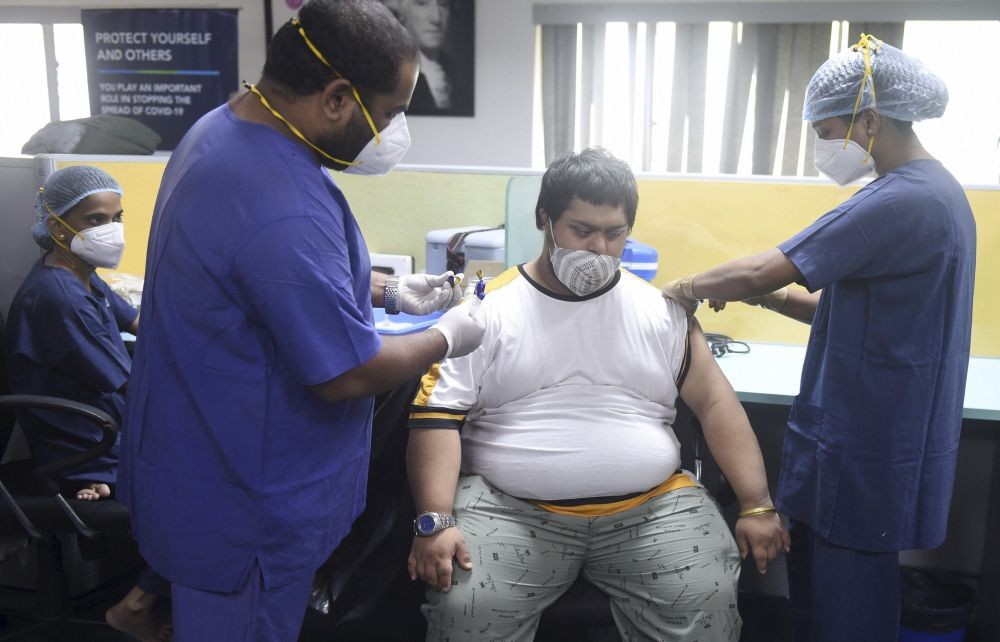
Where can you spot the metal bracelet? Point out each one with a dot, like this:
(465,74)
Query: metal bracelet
(392,295)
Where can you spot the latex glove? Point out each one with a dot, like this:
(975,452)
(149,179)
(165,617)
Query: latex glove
(681,291)
(422,294)
(770,301)
(431,557)
(763,536)
(463,328)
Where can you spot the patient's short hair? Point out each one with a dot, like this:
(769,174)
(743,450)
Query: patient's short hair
(593,175)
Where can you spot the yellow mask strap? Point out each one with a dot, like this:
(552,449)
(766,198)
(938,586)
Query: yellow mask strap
(371,123)
(868,45)
(68,226)
(295,130)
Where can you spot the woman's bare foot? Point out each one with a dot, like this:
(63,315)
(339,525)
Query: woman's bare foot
(134,615)
(93,492)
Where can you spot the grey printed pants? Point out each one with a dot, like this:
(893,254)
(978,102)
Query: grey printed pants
(669,567)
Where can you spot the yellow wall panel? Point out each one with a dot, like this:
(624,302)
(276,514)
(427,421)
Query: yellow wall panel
(395,212)
(986,304)
(693,224)
(698,224)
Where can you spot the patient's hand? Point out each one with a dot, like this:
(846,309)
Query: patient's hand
(430,557)
(763,536)
(93,492)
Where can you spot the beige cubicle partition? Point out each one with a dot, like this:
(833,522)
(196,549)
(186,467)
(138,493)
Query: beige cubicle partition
(694,223)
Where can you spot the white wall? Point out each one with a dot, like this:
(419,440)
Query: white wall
(499,135)
(500,132)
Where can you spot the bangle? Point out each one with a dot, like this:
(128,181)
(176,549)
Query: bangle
(391,303)
(762,510)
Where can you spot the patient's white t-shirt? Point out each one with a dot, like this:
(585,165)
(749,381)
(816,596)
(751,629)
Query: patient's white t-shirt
(567,397)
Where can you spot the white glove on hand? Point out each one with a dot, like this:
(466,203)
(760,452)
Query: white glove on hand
(462,327)
(422,294)
(681,291)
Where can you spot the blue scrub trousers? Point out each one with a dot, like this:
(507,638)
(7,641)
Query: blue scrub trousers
(252,614)
(839,594)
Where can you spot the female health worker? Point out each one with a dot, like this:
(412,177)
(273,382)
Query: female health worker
(64,340)
(870,451)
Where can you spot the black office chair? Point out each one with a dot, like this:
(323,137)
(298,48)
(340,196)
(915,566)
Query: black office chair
(362,593)
(32,506)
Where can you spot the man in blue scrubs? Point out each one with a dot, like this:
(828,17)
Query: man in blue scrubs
(870,452)
(251,393)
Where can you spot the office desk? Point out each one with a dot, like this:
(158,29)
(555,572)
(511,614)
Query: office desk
(770,373)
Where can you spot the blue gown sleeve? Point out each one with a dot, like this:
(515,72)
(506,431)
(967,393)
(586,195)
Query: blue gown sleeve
(97,355)
(124,313)
(295,276)
(849,241)
(68,334)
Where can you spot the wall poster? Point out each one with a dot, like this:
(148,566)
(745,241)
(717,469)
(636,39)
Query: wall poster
(445,32)
(163,67)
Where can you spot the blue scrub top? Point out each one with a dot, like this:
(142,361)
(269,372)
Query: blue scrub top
(66,342)
(257,287)
(870,451)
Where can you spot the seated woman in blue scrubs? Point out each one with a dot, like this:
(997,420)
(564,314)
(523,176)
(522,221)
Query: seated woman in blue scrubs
(64,340)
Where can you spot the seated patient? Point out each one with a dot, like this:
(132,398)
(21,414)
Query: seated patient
(551,445)
(63,338)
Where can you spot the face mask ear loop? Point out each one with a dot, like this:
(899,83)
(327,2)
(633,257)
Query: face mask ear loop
(70,255)
(319,54)
(295,130)
(865,45)
(552,233)
(59,219)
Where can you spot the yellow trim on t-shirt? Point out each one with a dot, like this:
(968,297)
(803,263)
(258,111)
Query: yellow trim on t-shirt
(503,279)
(427,383)
(437,415)
(674,482)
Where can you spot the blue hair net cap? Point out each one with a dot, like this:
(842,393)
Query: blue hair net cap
(63,190)
(904,88)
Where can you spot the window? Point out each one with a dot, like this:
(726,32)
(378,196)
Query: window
(27,109)
(24,66)
(74,99)
(726,97)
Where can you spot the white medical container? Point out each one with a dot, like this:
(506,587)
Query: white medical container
(436,257)
(487,245)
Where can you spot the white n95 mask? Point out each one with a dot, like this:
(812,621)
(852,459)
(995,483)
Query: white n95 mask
(101,246)
(843,164)
(377,159)
(581,271)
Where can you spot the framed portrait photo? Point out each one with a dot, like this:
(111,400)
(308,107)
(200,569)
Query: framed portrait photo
(445,31)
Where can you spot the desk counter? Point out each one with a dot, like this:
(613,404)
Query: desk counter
(770,373)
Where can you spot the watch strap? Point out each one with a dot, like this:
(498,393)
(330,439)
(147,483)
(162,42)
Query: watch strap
(392,295)
(441,522)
